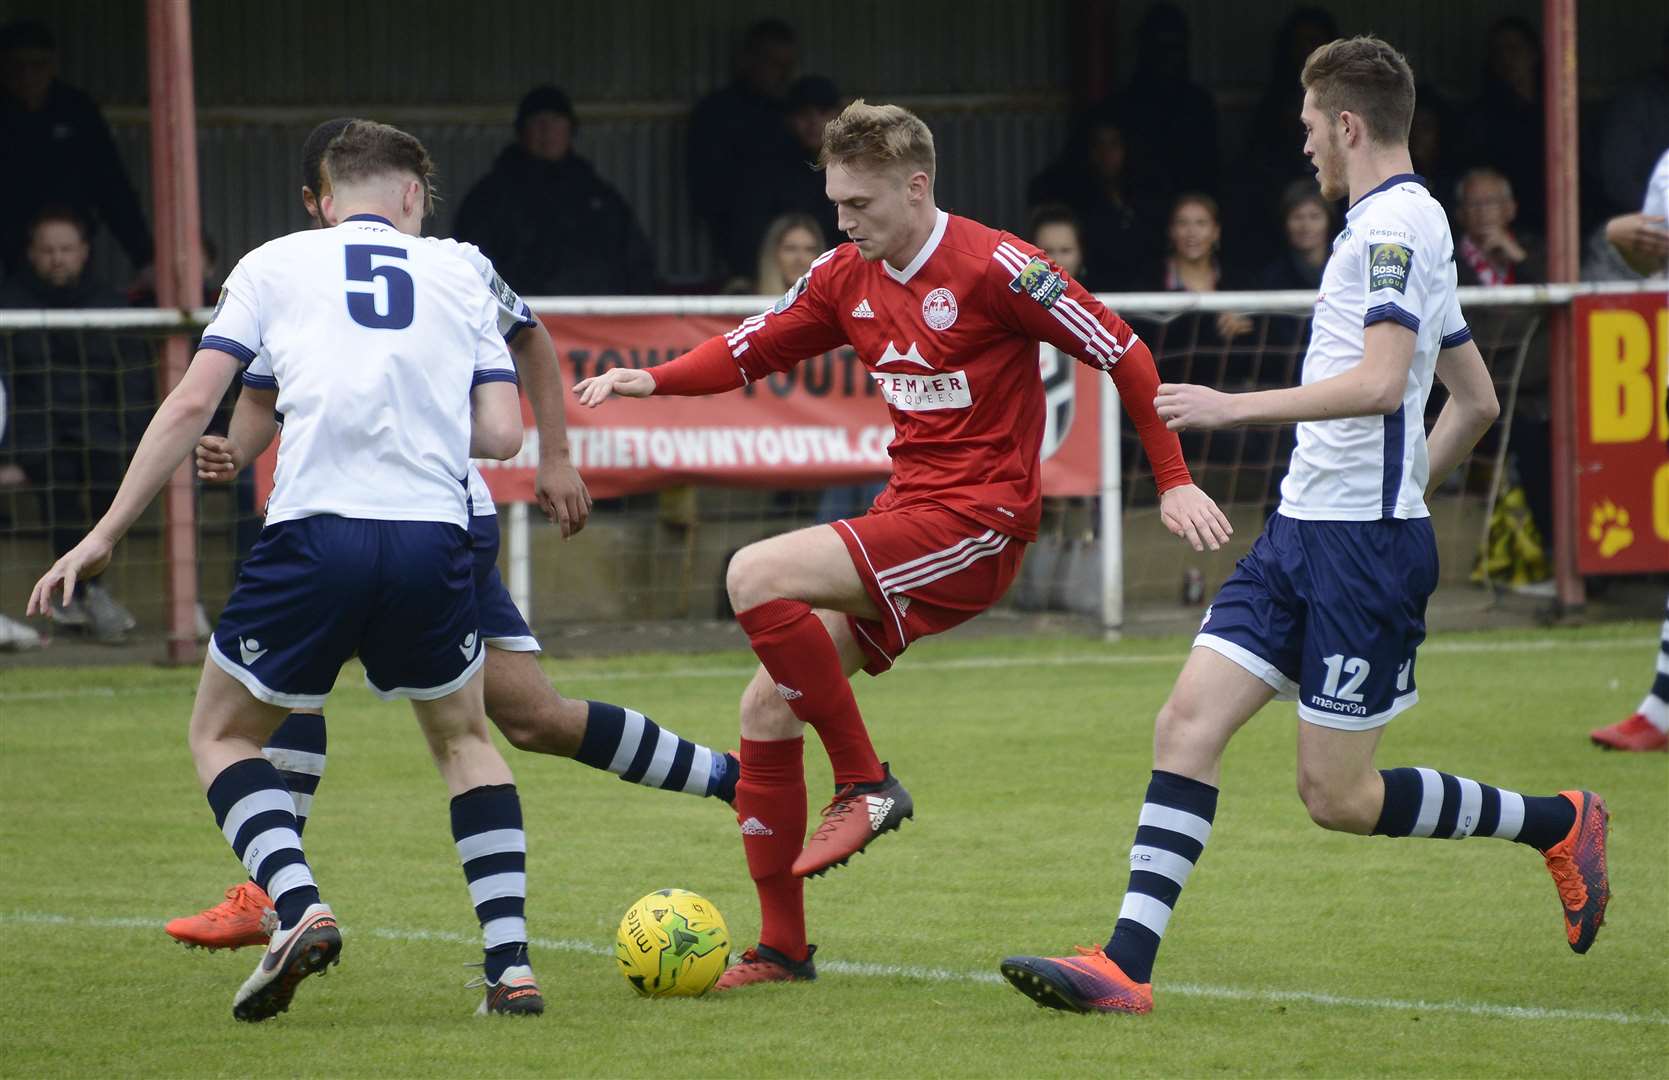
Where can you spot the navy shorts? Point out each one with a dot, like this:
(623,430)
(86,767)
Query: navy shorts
(317,590)
(1330,613)
(501,622)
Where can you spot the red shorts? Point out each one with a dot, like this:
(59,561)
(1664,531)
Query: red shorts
(928,570)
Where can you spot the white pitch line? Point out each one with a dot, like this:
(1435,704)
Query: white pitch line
(945,975)
(969,663)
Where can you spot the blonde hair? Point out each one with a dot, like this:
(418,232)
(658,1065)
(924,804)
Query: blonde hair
(770,281)
(878,136)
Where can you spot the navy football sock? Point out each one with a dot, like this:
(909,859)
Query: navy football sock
(635,748)
(297,751)
(255,812)
(1425,802)
(1170,836)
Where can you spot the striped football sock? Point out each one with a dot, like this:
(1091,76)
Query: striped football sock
(1425,802)
(1170,835)
(254,810)
(640,751)
(1656,706)
(297,751)
(487,825)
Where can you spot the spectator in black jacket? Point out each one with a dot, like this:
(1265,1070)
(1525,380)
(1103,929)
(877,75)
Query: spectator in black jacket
(547,220)
(1116,200)
(789,183)
(60,149)
(80,400)
(737,129)
(1272,156)
(1308,220)
(1170,117)
(1504,128)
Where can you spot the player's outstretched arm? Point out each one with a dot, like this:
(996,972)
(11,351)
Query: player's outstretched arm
(253,427)
(558,487)
(1472,407)
(1373,387)
(167,442)
(615,382)
(495,420)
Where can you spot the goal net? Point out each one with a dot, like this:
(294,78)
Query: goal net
(677,500)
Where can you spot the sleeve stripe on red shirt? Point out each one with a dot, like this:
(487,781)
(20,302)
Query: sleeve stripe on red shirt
(1098,342)
(1094,325)
(1010,258)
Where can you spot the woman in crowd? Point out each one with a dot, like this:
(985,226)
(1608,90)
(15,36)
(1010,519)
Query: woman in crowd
(1308,221)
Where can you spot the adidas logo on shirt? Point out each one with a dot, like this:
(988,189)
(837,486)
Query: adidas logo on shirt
(879,808)
(863,310)
(754,827)
(788,692)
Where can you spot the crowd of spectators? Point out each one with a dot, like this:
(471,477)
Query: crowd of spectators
(1136,199)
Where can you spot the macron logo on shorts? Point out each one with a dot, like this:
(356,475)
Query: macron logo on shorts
(250,650)
(468,647)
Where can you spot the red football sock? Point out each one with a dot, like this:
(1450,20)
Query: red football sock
(771,807)
(802,660)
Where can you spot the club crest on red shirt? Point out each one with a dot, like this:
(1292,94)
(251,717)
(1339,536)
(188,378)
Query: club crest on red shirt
(938,309)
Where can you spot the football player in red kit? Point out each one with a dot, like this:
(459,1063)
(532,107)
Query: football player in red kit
(946,315)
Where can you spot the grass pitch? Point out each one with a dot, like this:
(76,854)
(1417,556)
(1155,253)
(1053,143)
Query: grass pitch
(1293,951)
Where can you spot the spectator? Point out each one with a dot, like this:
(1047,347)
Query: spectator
(1091,178)
(82,397)
(1170,117)
(1273,156)
(1489,251)
(738,129)
(547,220)
(143,294)
(1433,123)
(1504,127)
(1642,239)
(1308,219)
(786,252)
(1059,566)
(1636,131)
(15,635)
(61,149)
(790,183)
(1056,231)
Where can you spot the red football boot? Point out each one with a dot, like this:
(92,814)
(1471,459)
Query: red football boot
(858,814)
(1635,733)
(764,964)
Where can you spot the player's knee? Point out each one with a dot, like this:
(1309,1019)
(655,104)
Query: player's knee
(764,714)
(750,579)
(1180,726)
(542,728)
(1334,802)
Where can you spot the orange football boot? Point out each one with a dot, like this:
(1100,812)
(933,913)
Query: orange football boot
(245,917)
(1088,982)
(1577,864)
(1635,733)
(764,964)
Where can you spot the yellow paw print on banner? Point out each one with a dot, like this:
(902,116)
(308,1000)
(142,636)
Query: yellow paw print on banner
(1608,527)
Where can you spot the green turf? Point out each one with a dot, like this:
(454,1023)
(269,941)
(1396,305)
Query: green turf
(1027,776)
